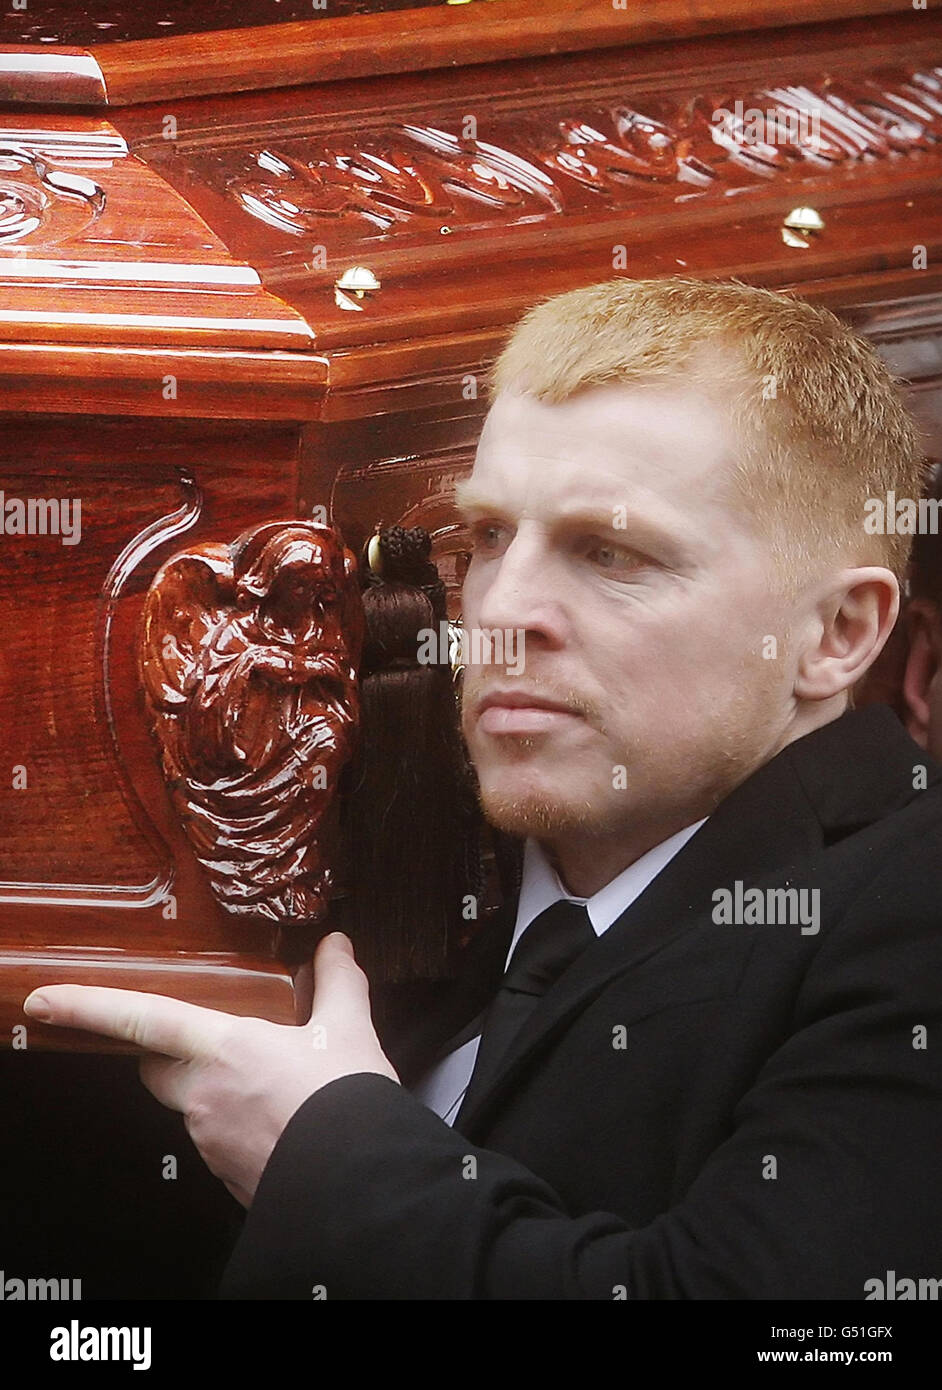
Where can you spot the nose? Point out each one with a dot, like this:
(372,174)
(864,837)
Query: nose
(518,590)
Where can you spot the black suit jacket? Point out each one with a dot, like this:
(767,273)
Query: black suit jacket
(694,1110)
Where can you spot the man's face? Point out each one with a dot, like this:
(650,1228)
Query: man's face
(606,530)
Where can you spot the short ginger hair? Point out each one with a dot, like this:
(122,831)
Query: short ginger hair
(820,419)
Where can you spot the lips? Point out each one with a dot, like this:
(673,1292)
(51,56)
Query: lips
(521,712)
(519,699)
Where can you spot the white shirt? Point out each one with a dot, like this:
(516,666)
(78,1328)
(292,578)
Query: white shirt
(442,1089)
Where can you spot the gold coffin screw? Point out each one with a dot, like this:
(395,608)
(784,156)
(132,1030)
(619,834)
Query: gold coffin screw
(800,225)
(356,282)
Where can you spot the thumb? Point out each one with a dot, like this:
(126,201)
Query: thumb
(341,1019)
(339,941)
(339,983)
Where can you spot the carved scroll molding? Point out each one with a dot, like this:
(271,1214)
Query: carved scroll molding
(567,155)
(40,203)
(249,660)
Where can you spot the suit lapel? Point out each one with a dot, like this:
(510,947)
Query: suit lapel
(833,781)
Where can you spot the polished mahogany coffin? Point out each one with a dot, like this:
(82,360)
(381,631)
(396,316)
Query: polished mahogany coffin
(255,261)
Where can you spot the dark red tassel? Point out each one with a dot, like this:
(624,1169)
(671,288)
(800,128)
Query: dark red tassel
(412,823)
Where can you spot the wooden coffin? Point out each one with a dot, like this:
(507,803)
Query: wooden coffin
(255,272)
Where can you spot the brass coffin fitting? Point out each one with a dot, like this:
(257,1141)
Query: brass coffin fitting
(801,225)
(356,282)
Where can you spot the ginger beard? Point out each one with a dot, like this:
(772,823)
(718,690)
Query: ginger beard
(516,786)
(591,780)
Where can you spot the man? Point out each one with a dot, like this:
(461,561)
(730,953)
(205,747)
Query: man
(907,675)
(714,1073)
(922,623)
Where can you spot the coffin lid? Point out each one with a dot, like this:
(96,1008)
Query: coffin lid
(290,253)
(63,52)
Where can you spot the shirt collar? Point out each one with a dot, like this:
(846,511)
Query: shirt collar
(540,886)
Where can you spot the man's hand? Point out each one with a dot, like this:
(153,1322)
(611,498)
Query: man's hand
(237,1081)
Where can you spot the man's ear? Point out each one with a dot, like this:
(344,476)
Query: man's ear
(923,660)
(853,620)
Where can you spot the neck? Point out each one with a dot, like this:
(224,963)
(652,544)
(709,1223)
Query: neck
(585,864)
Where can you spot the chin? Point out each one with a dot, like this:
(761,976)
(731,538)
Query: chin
(527,810)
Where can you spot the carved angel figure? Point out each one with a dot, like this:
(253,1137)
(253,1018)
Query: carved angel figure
(249,664)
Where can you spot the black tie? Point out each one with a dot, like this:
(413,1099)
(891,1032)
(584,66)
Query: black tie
(549,944)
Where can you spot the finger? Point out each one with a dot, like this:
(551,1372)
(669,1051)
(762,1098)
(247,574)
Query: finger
(339,983)
(166,1080)
(152,1021)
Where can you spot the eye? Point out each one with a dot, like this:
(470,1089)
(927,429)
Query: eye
(487,537)
(607,555)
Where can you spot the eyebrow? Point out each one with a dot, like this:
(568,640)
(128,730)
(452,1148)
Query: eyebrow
(469,498)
